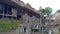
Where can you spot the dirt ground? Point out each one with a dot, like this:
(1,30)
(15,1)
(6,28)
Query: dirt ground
(11,32)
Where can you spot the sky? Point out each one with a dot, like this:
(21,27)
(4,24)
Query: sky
(54,4)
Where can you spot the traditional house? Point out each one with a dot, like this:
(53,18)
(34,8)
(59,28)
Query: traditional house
(17,10)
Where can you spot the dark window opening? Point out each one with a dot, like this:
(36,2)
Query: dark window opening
(9,17)
(35,30)
(1,8)
(18,17)
(18,12)
(32,29)
(1,11)
(4,16)
(44,28)
(9,10)
(29,14)
(41,28)
(24,29)
(14,18)
(5,10)
(52,20)
(0,16)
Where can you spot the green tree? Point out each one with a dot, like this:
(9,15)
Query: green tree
(48,11)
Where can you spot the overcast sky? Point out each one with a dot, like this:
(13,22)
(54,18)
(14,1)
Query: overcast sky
(54,4)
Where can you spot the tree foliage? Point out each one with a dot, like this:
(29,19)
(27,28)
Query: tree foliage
(48,10)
